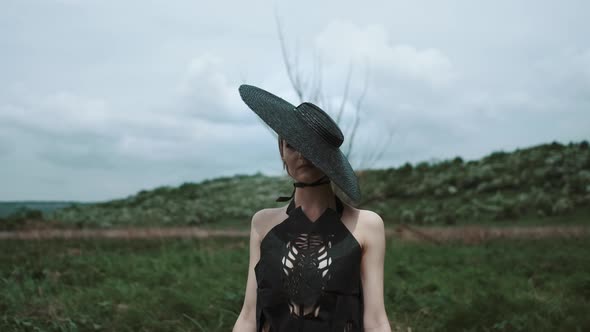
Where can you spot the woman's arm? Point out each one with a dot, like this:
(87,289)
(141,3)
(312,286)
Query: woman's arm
(375,318)
(246,321)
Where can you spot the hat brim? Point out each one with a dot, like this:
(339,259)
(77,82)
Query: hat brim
(280,116)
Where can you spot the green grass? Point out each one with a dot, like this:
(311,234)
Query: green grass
(503,286)
(198,285)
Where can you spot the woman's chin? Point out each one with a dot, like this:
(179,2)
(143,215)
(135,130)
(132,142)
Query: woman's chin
(307,174)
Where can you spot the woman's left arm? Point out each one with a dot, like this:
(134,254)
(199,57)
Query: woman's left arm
(375,318)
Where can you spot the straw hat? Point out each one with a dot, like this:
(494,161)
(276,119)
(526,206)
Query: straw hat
(311,131)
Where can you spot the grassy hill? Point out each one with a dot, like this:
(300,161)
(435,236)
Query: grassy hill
(541,184)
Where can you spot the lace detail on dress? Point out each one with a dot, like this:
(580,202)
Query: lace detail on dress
(306,270)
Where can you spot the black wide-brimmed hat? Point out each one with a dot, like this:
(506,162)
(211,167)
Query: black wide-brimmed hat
(310,130)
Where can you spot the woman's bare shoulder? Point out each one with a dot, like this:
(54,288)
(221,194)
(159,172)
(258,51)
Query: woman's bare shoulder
(365,224)
(372,225)
(369,216)
(265,219)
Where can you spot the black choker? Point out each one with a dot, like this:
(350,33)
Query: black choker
(303,184)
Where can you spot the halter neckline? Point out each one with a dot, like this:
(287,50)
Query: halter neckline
(339,208)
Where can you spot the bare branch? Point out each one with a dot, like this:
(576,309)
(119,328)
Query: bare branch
(321,98)
(316,89)
(293,76)
(371,157)
(311,88)
(300,80)
(345,94)
(357,116)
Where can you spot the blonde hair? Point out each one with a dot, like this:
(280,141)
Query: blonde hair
(281,152)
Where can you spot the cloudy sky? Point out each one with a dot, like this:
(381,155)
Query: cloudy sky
(100,99)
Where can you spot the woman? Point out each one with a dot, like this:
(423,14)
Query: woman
(316,264)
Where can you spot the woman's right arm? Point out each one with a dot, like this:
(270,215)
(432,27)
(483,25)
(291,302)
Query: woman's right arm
(246,321)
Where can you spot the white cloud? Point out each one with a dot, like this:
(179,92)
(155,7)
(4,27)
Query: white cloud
(59,112)
(342,42)
(206,92)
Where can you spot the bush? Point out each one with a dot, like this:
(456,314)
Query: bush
(407,217)
(562,206)
(25,213)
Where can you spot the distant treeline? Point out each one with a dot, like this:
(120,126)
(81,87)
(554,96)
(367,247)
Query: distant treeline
(16,207)
(535,183)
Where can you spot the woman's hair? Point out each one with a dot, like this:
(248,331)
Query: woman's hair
(281,151)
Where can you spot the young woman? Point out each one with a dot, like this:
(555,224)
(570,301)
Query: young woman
(315,264)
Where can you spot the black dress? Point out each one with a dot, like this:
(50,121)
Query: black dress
(308,275)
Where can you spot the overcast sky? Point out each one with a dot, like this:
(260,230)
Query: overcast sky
(100,99)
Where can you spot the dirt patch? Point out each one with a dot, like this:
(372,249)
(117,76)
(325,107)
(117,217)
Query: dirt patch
(478,234)
(123,233)
(466,234)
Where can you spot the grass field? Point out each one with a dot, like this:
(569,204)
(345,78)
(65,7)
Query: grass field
(198,285)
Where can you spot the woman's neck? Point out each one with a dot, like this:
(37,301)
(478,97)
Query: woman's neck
(315,199)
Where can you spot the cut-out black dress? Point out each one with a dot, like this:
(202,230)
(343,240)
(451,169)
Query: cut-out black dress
(308,275)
